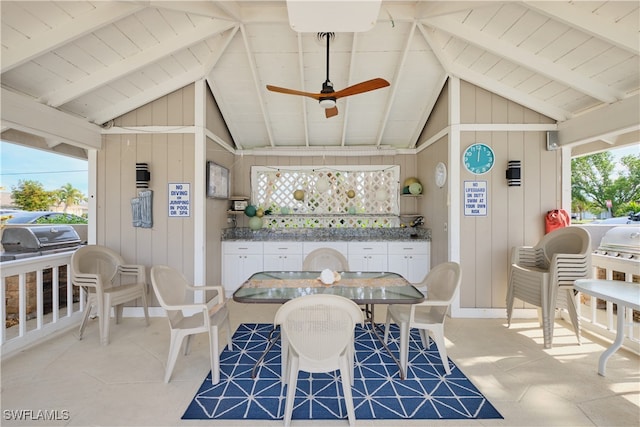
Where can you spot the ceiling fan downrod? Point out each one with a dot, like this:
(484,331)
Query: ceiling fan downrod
(327,87)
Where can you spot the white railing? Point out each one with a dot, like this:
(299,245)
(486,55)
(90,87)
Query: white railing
(33,324)
(603,321)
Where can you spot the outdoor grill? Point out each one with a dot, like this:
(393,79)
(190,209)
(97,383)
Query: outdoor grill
(31,241)
(619,250)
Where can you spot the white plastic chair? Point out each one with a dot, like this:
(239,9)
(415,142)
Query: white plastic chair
(94,268)
(319,259)
(442,283)
(171,289)
(537,274)
(318,333)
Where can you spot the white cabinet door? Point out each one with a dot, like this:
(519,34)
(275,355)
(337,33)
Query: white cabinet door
(410,259)
(240,259)
(368,256)
(282,256)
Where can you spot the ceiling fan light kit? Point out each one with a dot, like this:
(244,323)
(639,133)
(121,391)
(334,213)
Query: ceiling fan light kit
(328,96)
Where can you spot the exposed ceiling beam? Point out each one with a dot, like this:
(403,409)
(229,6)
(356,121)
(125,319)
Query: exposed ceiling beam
(256,84)
(202,8)
(526,59)
(510,93)
(345,113)
(127,66)
(429,36)
(601,124)
(589,23)
(428,108)
(231,8)
(27,115)
(303,101)
(223,44)
(394,87)
(146,97)
(105,13)
(429,9)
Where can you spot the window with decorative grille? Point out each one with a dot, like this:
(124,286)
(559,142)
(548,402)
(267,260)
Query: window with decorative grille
(338,196)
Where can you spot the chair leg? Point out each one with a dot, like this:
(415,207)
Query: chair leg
(229,340)
(104,315)
(573,313)
(284,357)
(85,317)
(214,355)
(404,347)
(187,346)
(438,337)
(145,305)
(509,304)
(174,350)
(547,326)
(291,389)
(346,389)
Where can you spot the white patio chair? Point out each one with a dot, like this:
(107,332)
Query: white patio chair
(442,282)
(95,268)
(171,288)
(537,274)
(321,258)
(318,332)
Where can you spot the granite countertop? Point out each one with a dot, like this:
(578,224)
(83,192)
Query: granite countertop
(327,234)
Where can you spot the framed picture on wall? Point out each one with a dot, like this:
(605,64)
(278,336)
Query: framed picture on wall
(217,181)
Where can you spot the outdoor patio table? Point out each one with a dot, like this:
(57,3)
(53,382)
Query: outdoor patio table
(624,294)
(367,288)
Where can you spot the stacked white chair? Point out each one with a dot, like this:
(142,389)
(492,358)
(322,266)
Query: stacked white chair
(95,269)
(171,289)
(543,275)
(318,333)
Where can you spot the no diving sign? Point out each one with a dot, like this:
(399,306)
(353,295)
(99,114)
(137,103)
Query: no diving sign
(179,200)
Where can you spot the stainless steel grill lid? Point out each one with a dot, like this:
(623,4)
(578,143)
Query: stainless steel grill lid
(32,239)
(621,241)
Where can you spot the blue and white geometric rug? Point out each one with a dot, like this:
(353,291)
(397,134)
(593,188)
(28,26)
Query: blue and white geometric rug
(378,391)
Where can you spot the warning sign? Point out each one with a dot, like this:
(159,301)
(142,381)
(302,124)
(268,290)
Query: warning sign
(179,200)
(475,198)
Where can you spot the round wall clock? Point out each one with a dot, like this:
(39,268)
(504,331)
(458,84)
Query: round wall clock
(478,158)
(440,174)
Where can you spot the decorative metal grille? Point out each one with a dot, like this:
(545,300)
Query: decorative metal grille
(344,196)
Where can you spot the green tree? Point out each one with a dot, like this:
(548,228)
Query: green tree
(593,180)
(67,195)
(31,196)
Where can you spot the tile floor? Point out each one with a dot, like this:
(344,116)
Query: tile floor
(122,384)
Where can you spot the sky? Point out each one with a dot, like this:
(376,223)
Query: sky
(53,171)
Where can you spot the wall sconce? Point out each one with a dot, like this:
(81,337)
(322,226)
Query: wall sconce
(143,176)
(513,173)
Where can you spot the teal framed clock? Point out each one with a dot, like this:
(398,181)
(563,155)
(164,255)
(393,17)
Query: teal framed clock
(478,158)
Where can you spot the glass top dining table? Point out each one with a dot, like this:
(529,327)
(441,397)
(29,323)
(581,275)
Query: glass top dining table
(359,286)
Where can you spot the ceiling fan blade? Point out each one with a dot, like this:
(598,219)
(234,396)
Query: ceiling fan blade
(372,84)
(284,90)
(330,112)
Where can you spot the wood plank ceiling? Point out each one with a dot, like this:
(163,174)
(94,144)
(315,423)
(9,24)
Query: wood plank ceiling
(100,59)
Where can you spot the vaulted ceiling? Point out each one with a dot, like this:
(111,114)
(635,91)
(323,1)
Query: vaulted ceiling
(100,59)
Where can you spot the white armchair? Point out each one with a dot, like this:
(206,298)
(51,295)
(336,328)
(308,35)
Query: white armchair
(442,283)
(171,289)
(543,275)
(318,336)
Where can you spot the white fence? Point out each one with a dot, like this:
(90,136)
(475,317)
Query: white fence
(22,281)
